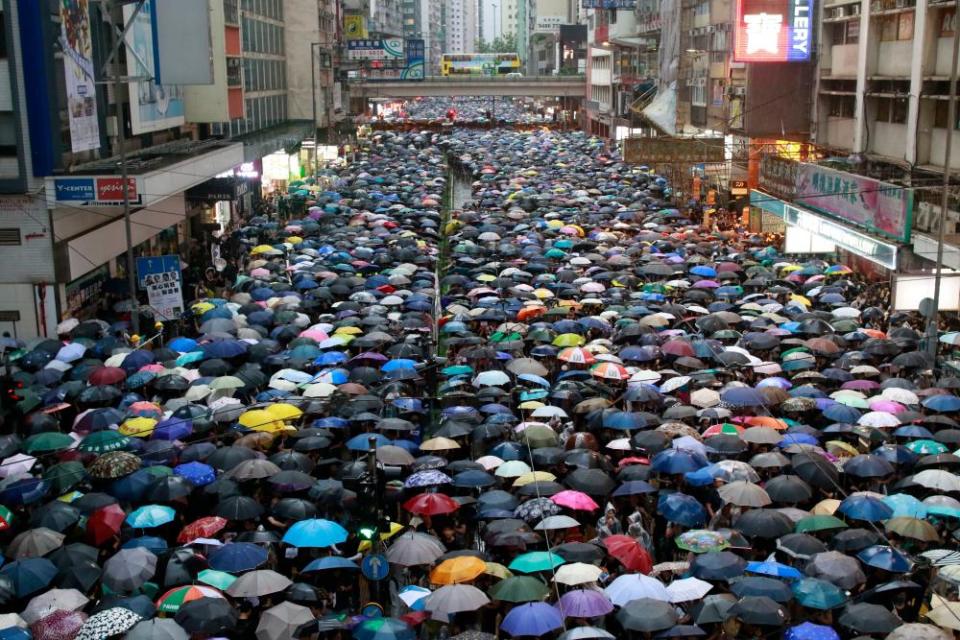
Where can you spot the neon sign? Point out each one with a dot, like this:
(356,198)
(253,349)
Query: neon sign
(773,30)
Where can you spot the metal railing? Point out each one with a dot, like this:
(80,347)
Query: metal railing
(565,79)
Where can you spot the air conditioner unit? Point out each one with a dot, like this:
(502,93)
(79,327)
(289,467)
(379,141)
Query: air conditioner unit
(854,9)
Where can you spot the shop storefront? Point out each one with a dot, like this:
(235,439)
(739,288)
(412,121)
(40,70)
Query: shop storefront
(809,233)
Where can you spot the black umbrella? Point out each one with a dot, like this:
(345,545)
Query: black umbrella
(580,552)
(763,523)
(759,610)
(647,615)
(238,508)
(788,489)
(207,616)
(869,618)
(761,586)
(590,481)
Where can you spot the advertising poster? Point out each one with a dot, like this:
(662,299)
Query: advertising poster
(773,30)
(153,107)
(873,205)
(416,53)
(355,27)
(79,75)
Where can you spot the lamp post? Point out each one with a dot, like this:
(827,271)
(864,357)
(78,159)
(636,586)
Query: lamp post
(313,96)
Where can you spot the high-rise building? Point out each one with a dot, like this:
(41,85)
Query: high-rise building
(509,12)
(460,25)
(488,19)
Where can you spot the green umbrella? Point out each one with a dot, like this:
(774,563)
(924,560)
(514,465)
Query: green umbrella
(519,589)
(159,471)
(539,436)
(64,476)
(219,579)
(103,441)
(47,442)
(536,561)
(812,524)
(29,403)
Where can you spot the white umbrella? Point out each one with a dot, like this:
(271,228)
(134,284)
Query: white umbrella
(688,589)
(879,419)
(551,523)
(586,633)
(636,585)
(491,379)
(412,594)
(577,573)
(454,598)
(53,600)
(938,480)
(903,396)
(704,398)
(674,383)
(283,621)
(846,312)
(18,463)
(549,411)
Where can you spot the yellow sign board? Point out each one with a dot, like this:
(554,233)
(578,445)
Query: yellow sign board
(355,27)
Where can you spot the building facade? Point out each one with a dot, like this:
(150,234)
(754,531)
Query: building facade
(460,26)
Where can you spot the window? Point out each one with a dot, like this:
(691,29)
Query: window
(698,95)
(948,21)
(892,110)
(840,106)
(941,113)
(10,237)
(845,32)
(896,27)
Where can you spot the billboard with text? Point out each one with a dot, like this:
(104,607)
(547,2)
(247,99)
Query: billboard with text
(773,30)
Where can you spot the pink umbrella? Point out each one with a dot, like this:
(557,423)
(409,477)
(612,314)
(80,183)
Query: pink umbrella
(706,284)
(260,272)
(155,367)
(861,385)
(887,405)
(574,500)
(314,334)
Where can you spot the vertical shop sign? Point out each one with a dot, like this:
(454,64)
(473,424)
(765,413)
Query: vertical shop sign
(77,45)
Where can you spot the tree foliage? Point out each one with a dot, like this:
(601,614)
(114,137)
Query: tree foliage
(506,43)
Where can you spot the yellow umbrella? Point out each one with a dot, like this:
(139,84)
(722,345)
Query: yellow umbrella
(350,331)
(568,340)
(790,268)
(284,411)
(798,298)
(497,570)
(555,224)
(439,444)
(139,427)
(840,448)
(260,420)
(261,248)
(531,405)
(202,307)
(294,240)
(534,476)
(825,507)
(486,277)
(543,294)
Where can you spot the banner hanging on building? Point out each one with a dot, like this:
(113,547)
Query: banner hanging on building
(78,70)
(608,4)
(387,49)
(153,107)
(416,59)
(880,207)
(355,27)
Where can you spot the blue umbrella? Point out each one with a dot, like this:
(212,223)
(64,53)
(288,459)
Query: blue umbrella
(315,532)
(361,442)
(136,360)
(742,397)
(196,472)
(224,349)
(775,569)
(331,562)
(815,593)
(677,461)
(508,451)
(331,422)
(886,558)
(624,420)
(634,487)
(532,619)
(942,402)
(867,466)
(842,413)
(863,507)
(426,478)
(183,345)
(811,631)
(704,271)
(29,575)
(236,557)
(399,363)
(905,506)
(24,491)
(682,509)
(132,487)
(172,429)
(331,358)
(150,516)
(153,544)
(473,478)
(895,454)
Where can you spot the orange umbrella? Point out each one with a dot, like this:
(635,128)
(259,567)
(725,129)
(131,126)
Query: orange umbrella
(766,421)
(457,570)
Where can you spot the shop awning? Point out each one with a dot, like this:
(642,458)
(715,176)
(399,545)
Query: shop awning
(284,136)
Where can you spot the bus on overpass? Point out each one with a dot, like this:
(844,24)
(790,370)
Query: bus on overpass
(479,64)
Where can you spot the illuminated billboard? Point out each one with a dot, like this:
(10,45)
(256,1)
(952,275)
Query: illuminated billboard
(773,30)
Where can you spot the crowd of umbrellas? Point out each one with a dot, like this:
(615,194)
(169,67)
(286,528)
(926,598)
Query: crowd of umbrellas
(591,420)
(470,110)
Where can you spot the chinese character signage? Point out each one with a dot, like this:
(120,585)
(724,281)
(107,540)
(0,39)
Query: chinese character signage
(416,57)
(877,206)
(773,30)
(160,276)
(95,191)
(667,149)
(355,27)
(778,176)
(608,4)
(388,49)
(77,45)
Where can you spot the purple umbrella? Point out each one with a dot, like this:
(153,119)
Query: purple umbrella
(584,603)
(532,619)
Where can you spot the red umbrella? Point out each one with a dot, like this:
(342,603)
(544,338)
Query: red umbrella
(202,528)
(107,375)
(415,617)
(104,523)
(677,348)
(59,625)
(629,552)
(431,504)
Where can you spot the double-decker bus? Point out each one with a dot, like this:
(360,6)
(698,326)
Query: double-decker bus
(479,64)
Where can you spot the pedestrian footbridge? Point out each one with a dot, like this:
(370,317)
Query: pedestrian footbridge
(550,86)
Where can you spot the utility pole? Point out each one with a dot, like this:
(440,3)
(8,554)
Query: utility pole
(933,320)
(119,39)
